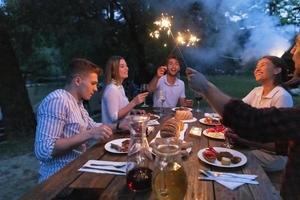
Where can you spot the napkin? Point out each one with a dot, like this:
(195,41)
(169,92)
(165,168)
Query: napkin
(232,180)
(104,167)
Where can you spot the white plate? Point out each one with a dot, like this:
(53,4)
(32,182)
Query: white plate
(218,163)
(108,148)
(155,116)
(189,120)
(189,109)
(214,135)
(202,120)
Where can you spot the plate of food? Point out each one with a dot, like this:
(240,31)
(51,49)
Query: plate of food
(222,157)
(211,121)
(118,145)
(215,132)
(182,108)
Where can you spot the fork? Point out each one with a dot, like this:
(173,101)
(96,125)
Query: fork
(223,174)
(111,165)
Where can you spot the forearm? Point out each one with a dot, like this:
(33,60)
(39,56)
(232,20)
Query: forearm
(66,144)
(215,97)
(153,84)
(124,111)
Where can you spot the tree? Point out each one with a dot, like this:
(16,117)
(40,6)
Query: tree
(18,115)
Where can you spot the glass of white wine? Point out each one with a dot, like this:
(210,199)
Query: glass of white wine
(162,98)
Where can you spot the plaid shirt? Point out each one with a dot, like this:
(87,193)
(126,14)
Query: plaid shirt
(270,125)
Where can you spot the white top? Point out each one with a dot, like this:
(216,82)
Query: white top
(278,97)
(172,92)
(113,100)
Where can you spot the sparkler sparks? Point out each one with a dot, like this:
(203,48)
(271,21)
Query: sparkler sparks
(186,39)
(163,24)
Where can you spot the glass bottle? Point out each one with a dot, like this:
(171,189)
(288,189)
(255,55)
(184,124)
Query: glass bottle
(169,177)
(139,158)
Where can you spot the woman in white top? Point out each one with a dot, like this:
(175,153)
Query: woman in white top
(115,104)
(268,73)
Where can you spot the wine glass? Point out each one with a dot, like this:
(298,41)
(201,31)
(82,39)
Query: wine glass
(142,90)
(227,143)
(198,98)
(162,98)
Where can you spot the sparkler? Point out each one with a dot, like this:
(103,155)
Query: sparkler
(186,39)
(164,24)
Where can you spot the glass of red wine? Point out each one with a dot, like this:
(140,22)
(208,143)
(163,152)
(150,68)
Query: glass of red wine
(143,89)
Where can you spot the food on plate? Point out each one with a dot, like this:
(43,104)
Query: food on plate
(183,115)
(224,157)
(235,160)
(225,161)
(170,128)
(212,120)
(224,154)
(121,148)
(210,154)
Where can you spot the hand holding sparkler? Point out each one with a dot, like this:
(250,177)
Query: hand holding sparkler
(161,71)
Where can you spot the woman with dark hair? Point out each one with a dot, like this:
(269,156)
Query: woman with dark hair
(115,104)
(269,73)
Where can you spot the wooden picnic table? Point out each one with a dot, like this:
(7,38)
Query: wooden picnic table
(69,183)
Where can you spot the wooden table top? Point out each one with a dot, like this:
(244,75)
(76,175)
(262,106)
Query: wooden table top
(69,183)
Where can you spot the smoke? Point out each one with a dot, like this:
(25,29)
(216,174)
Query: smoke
(238,30)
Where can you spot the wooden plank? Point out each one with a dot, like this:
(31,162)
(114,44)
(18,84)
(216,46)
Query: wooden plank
(197,189)
(93,180)
(50,188)
(265,190)
(223,193)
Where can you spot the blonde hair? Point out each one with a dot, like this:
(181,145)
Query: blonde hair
(112,70)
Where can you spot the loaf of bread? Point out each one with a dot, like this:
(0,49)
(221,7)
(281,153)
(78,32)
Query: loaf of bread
(170,128)
(183,115)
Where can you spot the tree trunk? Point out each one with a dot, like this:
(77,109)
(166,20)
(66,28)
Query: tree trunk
(131,15)
(17,112)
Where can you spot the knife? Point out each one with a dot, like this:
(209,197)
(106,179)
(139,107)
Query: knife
(237,180)
(104,169)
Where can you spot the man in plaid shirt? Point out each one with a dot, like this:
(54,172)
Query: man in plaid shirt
(264,125)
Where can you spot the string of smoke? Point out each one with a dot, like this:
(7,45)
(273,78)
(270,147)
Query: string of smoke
(240,30)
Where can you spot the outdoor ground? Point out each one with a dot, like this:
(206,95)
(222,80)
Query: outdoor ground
(18,166)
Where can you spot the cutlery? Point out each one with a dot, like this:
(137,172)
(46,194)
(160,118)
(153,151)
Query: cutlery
(104,169)
(224,174)
(236,180)
(210,176)
(88,169)
(110,165)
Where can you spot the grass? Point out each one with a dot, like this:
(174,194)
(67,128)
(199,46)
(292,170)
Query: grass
(15,147)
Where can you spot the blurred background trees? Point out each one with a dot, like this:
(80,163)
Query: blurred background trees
(47,34)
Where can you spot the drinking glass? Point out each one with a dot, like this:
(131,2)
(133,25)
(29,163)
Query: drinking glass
(162,98)
(198,98)
(227,143)
(142,90)
(169,176)
(139,157)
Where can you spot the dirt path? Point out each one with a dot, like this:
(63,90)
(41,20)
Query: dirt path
(18,175)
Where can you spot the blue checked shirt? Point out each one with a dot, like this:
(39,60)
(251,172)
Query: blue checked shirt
(59,115)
